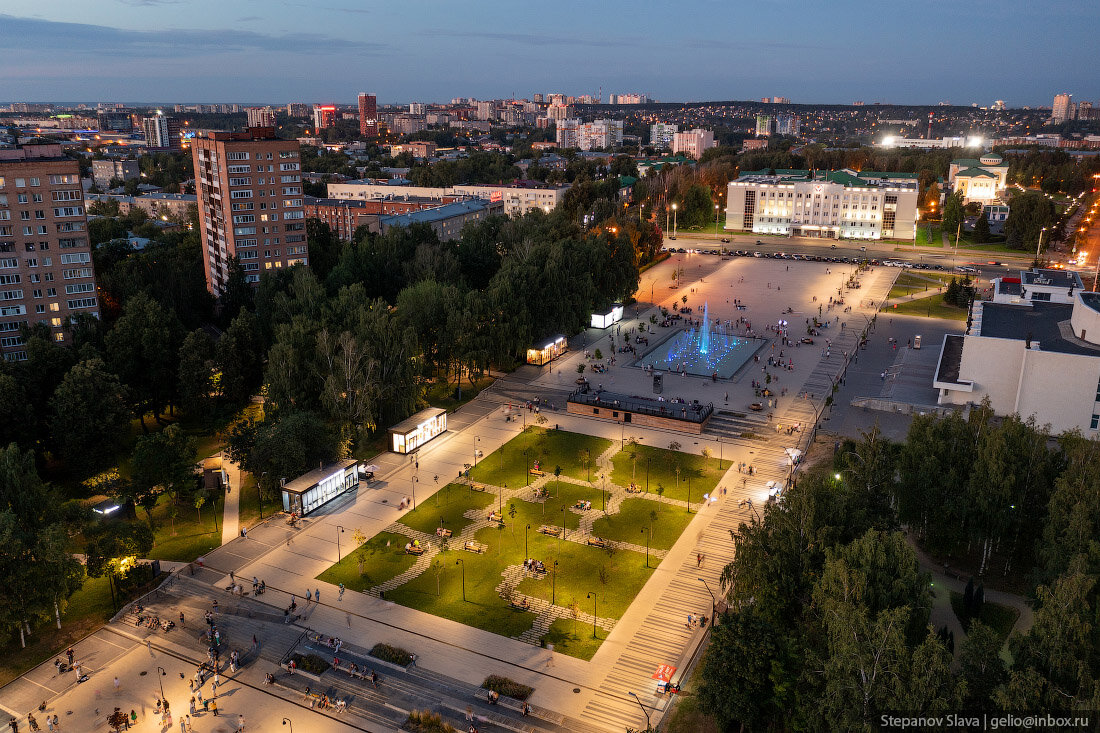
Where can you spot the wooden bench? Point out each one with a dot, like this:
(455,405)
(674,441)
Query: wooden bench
(521,604)
(634,489)
(477,487)
(582,505)
(413,550)
(472,546)
(496,517)
(598,542)
(443,532)
(537,472)
(550,530)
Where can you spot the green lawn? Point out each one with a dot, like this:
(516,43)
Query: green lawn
(448,504)
(656,467)
(188,536)
(383,557)
(998,617)
(909,283)
(509,466)
(931,307)
(637,514)
(574,637)
(929,235)
(88,608)
(442,393)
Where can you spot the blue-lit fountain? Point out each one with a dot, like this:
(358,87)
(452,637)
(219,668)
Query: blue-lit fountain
(703,350)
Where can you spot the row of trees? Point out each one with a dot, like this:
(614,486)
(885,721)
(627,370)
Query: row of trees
(828,609)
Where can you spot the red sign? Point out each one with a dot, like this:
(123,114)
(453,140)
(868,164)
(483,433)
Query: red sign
(664,673)
(495,196)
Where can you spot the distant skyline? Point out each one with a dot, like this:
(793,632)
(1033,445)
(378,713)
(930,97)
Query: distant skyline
(814,52)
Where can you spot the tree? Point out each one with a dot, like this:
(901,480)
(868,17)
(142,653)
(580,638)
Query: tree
(1029,214)
(748,681)
(89,418)
(324,247)
(112,542)
(981,228)
(142,349)
(16,413)
(238,355)
(952,214)
(981,668)
(196,372)
(238,292)
(164,460)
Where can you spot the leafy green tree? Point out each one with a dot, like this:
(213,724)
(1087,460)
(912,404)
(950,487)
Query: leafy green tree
(285,446)
(164,460)
(237,294)
(196,372)
(1029,213)
(89,417)
(324,247)
(238,356)
(109,543)
(981,668)
(952,214)
(143,348)
(748,679)
(981,228)
(16,413)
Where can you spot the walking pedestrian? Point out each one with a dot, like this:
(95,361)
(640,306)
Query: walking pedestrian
(214,707)
(116,684)
(133,717)
(70,654)
(309,596)
(240,724)
(317,596)
(341,592)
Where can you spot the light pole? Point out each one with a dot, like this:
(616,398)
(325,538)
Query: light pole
(286,721)
(592,595)
(459,562)
(477,441)
(647,531)
(260,495)
(415,481)
(527,463)
(1040,246)
(500,502)
(674,221)
(554,587)
(339,531)
(526,553)
(713,602)
(689,493)
(716,223)
(160,679)
(646,712)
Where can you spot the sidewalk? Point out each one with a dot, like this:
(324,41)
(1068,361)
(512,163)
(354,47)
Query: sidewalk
(231,512)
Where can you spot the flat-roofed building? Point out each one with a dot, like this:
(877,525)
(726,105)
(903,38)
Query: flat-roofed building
(105,170)
(249,195)
(46,271)
(692,143)
(448,220)
(518,197)
(842,204)
(260,116)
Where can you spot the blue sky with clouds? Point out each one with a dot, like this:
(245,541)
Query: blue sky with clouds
(432,50)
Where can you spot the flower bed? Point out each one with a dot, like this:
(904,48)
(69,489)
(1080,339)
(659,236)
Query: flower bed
(393,655)
(310,663)
(507,687)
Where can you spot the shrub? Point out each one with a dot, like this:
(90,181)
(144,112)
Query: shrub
(425,721)
(392,654)
(507,687)
(310,663)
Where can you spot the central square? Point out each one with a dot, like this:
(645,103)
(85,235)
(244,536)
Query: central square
(703,353)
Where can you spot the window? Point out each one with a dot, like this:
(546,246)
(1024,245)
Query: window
(1095,422)
(66,195)
(32,262)
(76,258)
(291,179)
(78,273)
(246,206)
(11,295)
(36,182)
(5,216)
(242,254)
(244,218)
(242,231)
(21,183)
(240,181)
(237,156)
(238,169)
(294,215)
(8,262)
(70,226)
(9,279)
(1097,385)
(79,288)
(81,303)
(68,211)
(240,194)
(67,178)
(40,214)
(289,166)
(1040,296)
(71,243)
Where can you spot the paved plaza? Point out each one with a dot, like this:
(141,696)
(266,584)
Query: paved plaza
(570,694)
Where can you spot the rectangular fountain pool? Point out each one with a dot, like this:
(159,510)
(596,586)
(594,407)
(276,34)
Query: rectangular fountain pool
(688,351)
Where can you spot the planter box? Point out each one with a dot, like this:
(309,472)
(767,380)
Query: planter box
(299,670)
(390,665)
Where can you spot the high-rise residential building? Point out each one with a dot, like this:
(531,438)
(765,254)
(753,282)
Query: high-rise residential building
(46,272)
(249,188)
(324,115)
(788,124)
(260,116)
(600,134)
(485,110)
(536,98)
(296,109)
(417,108)
(161,132)
(661,134)
(368,115)
(567,132)
(558,112)
(692,143)
(408,124)
(1063,108)
(105,170)
(765,125)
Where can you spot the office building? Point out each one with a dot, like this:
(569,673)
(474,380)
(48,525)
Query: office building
(368,115)
(765,125)
(692,143)
(115,122)
(103,171)
(842,204)
(161,132)
(46,272)
(249,189)
(324,115)
(260,116)
(1034,350)
(661,134)
(1062,109)
(982,180)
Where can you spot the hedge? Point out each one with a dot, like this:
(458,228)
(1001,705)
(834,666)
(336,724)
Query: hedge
(507,687)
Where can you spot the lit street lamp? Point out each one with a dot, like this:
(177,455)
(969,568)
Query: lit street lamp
(415,481)
(463,565)
(674,221)
(526,553)
(286,721)
(592,595)
(160,679)
(716,223)
(648,726)
(340,531)
(713,602)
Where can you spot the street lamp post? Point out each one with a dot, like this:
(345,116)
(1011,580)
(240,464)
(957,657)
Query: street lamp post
(260,495)
(527,463)
(477,441)
(648,726)
(286,721)
(592,595)
(554,586)
(716,223)
(339,531)
(160,679)
(674,221)
(647,474)
(415,481)
(713,602)
(647,531)
(526,552)
(463,565)
(689,493)
(1040,246)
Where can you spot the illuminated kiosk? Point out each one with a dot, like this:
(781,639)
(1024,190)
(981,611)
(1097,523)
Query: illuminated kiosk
(408,435)
(540,355)
(603,320)
(320,486)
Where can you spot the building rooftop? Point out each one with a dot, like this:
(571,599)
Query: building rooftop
(1092,300)
(427,216)
(975,163)
(950,359)
(974,173)
(1053,278)
(309,480)
(189,197)
(1041,322)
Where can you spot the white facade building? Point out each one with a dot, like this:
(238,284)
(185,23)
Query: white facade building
(1034,351)
(835,205)
(661,134)
(982,180)
(517,199)
(692,143)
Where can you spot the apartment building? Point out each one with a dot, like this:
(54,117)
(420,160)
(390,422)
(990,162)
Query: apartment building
(692,143)
(104,170)
(368,115)
(260,116)
(324,115)
(661,134)
(46,272)
(344,216)
(161,132)
(249,195)
(518,197)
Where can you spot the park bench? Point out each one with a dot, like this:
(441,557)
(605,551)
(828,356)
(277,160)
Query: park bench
(443,532)
(414,550)
(477,487)
(496,517)
(537,472)
(634,489)
(521,604)
(550,530)
(598,542)
(471,546)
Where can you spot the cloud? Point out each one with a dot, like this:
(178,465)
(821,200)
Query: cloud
(535,40)
(105,42)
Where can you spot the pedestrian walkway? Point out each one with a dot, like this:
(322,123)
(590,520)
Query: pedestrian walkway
(231,527)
